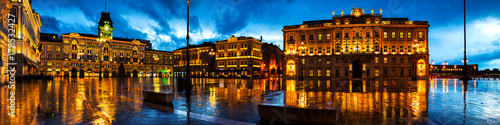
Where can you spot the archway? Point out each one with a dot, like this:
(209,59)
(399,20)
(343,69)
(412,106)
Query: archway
(290,68)
(421,68)
(82,73)
(106,73)
(74,72)
(357,69)
(134,74)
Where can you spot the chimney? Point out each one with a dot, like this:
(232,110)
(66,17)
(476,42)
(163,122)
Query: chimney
(260,38)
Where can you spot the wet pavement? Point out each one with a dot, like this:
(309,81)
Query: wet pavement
(234,101)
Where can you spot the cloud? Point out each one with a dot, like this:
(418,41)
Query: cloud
(50,24)
(446,42)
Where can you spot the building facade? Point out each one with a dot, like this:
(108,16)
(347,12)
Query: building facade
(202,60)
(272,58)
(102,55)
(357,46)
(452,71)
(26,27)
(238,57)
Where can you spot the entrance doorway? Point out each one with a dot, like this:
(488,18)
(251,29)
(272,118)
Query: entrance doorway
(357,69)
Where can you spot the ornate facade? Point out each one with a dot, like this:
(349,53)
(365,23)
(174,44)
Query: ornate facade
(26,27)
(357,46)
(103,55)
(238,57)
(202,60)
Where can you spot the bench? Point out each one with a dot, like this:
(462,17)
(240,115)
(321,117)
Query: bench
(158,97)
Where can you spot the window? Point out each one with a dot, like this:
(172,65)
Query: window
(409,35)
(49,56)
(409,48)
(419,34)
(376,72)
(402,60)
(367,34)
(337,35)
(311,73)
(319,37)
(385,59)
(319,72)
(367,72)
(375,34)
(337,73)
(328,73)
(376,59)
(327,61)
(401,49)
(311,37)
(311,61)
(393,48)
(346,73)
(409,60)
(328,36)
(402,73)
(385,48)
(303,61)
(385,72)
(401,35)
(303,37)
(393,35)
(393,60)
(377,48)
(385,34)
(346,35)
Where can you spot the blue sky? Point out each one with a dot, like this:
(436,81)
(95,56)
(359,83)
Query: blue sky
(164,21)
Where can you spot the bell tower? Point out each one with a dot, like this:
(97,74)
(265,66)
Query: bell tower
(105,26)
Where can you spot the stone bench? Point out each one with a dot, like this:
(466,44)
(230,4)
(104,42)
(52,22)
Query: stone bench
(158,97)
(301,115)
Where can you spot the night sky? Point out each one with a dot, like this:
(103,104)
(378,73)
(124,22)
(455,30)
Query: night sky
(164,21)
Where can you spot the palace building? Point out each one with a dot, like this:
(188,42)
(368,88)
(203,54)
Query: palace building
(202,60)
(25,25)
(77,54)
(357,46)
(238,57)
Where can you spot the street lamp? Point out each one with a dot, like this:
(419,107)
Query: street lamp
(415,48)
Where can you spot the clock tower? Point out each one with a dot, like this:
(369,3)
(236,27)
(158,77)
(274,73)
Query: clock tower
(105,26)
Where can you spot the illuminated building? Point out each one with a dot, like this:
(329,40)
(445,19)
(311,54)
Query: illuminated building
(272,57)
(75,54)
(357,46)
(26,29)
(454,71)
(5,6)
(238,57)
(202,62)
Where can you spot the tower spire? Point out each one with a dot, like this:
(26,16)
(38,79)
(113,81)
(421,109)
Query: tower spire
(106,5)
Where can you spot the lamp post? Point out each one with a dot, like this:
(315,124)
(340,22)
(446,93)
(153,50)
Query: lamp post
(465,74)
(188,73)
(156,60)
(414,75)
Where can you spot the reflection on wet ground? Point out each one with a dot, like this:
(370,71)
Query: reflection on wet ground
(226,101)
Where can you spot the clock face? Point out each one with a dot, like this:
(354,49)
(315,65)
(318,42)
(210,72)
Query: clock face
(106,28)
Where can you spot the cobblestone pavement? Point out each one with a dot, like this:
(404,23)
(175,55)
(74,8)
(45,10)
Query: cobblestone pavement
(234,101)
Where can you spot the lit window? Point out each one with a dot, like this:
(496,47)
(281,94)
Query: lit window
(319,72)
(311,73)
(328,36)
(319,37)
(376,59)
(393,35)
(401,34)
(303,61)
(385,34)
(419,34)
(409,35)
(376,72)
(328,73)
(385,59)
